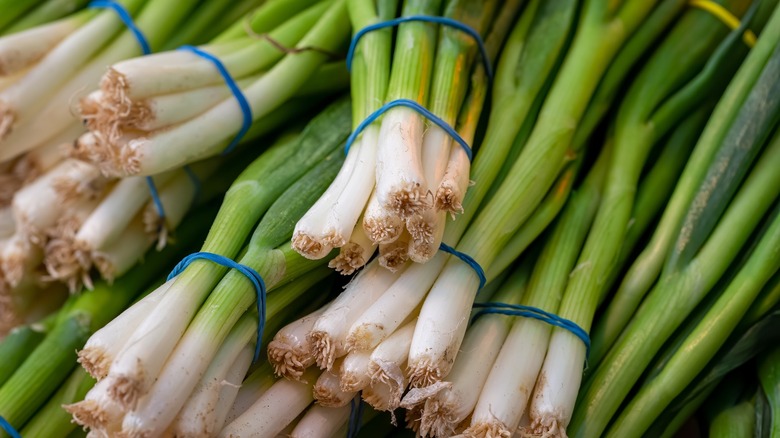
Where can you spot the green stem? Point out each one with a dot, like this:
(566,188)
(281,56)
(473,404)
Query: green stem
(15,348)
(53,421)
(705,340)
(13,9)
(769,375)
(674,297)
(49,11)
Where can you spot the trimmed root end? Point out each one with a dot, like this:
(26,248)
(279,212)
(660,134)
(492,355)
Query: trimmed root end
(487,430)
(325,397)
(351,382)
(323,350)
(7,119)
(546,427)
(95,361)
(394,258)
(309,247)
(68,260)
(382,231)
(389,374)
(349,260)
(424,374)
(125,391)
(448,200)
(409,201)
(361,338)
(288,362)
(437,419)
(88,413)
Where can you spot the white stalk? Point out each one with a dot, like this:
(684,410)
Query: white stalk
(204,135)
(122,254)
(275,409)
(20,100)
(310,237)
(353,375)
(387,363)
(344,214)
(98,411)
(387,312)
(38,205)
(197,416)
(329,333)
(51,153)
(59,112)
(427,231)
(552,403)
(104,345)
(355,254)
(139,363)
(500,409)
(169,109)
(253,387)
(442,323)
(23,49)
(290,352)
(400,179)
(327,391)
(65,229)
(450,193)
(177,71)
(379,223)
(230,387)
(176,196)
(321,422)
(393,256)
(446,404)
(115,213)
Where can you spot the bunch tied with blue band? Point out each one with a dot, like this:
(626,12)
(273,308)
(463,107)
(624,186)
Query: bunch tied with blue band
(407,102)
(143,43)
(535,313)
(252,275)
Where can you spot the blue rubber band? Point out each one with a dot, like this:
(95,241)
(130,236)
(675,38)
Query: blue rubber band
(535,313)
(426,18)
(468,260)
(246,109)
(417,107)
(155,197)
(355,416)
(251,274)
(126,18)
(6,426)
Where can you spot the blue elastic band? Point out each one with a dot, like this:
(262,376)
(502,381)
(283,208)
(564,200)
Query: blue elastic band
(251,274)
(420,109)
(355,416)
(468,260)
(426,18)
(535,313)
(6,426)
(246,110)
(155,197)
(126,18)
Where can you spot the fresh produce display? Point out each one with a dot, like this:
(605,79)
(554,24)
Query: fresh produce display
(434,218)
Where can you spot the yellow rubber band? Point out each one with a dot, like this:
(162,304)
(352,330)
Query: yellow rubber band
(724,16)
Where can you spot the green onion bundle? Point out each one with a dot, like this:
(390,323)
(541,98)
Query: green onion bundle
(403,175)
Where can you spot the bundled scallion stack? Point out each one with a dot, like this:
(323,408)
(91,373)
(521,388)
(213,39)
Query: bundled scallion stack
(607,265)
